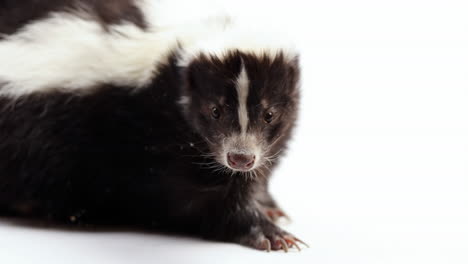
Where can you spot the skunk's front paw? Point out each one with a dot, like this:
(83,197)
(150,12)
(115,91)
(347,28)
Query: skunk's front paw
(271,237)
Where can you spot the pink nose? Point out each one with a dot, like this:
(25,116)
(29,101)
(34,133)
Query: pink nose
(241,161)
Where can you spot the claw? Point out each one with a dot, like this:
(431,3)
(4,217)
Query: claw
(268,245)
(284,245)
(293,243)
(302,242)
(272,238)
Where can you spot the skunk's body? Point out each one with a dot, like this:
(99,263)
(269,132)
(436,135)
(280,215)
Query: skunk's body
(108,115)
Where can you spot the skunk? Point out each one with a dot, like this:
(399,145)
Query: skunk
(116,112)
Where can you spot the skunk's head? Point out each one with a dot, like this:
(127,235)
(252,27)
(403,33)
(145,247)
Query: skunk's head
(243,105)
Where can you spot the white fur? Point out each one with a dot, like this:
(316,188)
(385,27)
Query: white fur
(73,53)
(184,100)
(242,87)
(234,35)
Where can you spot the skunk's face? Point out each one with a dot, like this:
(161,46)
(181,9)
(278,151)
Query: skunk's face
(243,106)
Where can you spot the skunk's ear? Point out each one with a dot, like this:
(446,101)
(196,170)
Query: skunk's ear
(207,72)
(196,74)
(197,77)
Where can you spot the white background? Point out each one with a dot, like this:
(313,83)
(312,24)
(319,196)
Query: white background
(378,170)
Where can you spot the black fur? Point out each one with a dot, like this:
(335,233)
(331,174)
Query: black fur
(15,14)
(112,157)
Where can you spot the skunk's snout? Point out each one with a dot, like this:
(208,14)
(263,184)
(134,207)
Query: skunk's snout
(240,161)
(241,153)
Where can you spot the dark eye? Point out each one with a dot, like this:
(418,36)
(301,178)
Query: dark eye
(215,113)
(268,117)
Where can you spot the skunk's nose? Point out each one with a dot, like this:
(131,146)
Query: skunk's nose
(241,161)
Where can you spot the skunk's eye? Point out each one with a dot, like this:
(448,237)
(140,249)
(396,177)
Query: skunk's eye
(215,113)
(268,117)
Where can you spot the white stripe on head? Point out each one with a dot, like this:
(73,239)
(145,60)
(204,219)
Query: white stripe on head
(242,87)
